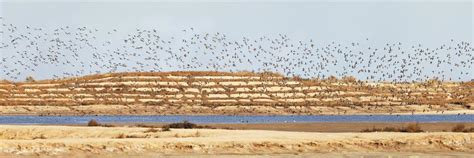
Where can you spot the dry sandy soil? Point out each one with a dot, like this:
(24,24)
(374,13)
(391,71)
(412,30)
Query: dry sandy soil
(339,127)
(135,141)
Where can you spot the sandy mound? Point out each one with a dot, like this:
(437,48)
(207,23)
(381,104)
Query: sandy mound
(227,93)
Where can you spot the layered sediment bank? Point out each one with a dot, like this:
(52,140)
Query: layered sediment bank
(222,93)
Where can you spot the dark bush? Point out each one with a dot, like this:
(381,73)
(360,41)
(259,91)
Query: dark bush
(40,137)
(462,128)
(146,126)
(185,125)
(370,130)
(165,128)
(469,130)
(458,128)
(386,129)
(411,128)
(93,123)
(151,130)
(107,125)
(390,129)
(121,136)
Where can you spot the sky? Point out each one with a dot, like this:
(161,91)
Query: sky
(427,21)
(430,23)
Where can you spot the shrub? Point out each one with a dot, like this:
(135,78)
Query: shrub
(469,130)
(40,137)
(121,136)
(145,126)
(462,128)
(151,130)
(370,130)
(93,122)
(135,136)
(165,128)
(411,128)
(184,124)
(390,129)
(108,125)
(458,128)
(386,129)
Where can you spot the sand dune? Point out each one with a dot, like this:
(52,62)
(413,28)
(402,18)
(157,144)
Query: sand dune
(65,140)
(229,93)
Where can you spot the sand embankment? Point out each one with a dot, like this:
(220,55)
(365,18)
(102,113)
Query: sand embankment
(341,127)
(222,93)
(67,140)
(327,127)
(56,110)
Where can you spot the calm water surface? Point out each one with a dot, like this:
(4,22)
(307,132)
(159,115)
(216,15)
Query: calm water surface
(233,119)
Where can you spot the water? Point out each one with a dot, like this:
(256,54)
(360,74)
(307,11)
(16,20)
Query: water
(233,119)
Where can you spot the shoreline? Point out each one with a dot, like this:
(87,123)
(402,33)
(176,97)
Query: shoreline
(324,127)
(448,112)
(68,140)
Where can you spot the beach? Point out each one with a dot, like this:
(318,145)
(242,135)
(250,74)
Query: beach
(340,127)
(33,140)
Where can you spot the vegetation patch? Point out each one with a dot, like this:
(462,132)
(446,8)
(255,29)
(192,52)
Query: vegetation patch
(411,128)
(186,125)
(462,128)
(93,122)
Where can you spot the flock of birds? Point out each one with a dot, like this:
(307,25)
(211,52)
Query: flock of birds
(76,51)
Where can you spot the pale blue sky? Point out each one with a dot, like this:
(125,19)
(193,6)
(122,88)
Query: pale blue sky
(427,21)
(430,23)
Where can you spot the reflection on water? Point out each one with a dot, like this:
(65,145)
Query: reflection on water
(234,119)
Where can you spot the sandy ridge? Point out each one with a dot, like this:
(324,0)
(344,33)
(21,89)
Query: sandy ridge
(229,93)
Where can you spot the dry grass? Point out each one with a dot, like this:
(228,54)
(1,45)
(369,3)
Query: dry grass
(121,136)
(410,128)
(462,128)
(151,130)
(93,122)
(458,128)
(146,126)
(165,129)
(124,136)
(186,125)
(40,137)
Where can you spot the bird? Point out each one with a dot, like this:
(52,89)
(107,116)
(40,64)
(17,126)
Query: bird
(86,50)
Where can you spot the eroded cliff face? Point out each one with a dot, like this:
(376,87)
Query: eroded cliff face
(227,93)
